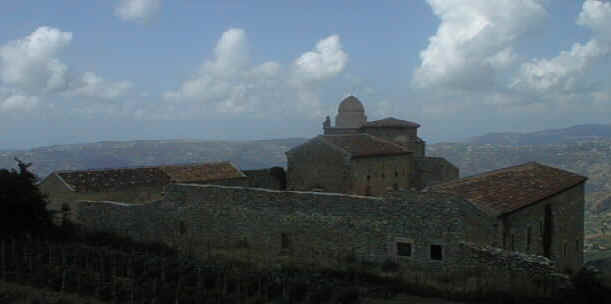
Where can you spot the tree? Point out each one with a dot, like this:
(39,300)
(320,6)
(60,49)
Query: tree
(23,208)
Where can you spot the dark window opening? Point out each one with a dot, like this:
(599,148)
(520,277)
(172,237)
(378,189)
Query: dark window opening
(368,178)
(285,242)
(547,231)
(396,173)
(181,228)
(565,248)
(512,243)
(528,233)
(436,252)
(404,249)
(382,175)
(395,186)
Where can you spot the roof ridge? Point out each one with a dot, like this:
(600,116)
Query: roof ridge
(142,167)
(494,171)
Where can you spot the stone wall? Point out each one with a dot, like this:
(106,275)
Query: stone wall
(377,175)
(59,194)
(433,170)
(367,226)
(317,166)
(567,230)
(404,136)
(269,178)
(318,226)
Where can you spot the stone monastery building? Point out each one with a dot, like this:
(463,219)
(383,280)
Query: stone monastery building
(361,187)
(367,158)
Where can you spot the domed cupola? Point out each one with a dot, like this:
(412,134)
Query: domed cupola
(351,104)
(350,114)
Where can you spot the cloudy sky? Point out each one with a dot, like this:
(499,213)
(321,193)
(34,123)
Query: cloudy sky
(82,71)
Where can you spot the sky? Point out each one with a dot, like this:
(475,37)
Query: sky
(100,70)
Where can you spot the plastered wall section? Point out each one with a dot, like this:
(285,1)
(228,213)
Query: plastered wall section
(317,166)
(377,175)
(567,209)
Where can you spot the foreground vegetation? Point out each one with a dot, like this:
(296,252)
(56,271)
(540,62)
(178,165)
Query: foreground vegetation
(57,256)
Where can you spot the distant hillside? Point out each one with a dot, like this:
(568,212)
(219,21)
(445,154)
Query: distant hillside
(116,154)
(551,136)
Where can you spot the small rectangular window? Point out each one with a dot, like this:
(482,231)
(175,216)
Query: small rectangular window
(565,248)
(528,233)
(404,249)
(436,252)
(182,229)
(285,241)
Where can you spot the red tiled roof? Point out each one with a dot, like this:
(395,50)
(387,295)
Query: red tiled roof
(508,189)
(391,122)
(362,145)
(109,179)
(202,172)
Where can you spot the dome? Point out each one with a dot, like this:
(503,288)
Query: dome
(351,104)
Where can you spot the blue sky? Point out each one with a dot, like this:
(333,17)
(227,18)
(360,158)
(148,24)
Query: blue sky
(81,71)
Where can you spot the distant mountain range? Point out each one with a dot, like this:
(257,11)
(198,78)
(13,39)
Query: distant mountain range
(584,149)
(552,136)
(117,154)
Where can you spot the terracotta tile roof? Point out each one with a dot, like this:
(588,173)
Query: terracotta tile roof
(391,122)
(113,179)
(508,189)
(202,172)
(363,145)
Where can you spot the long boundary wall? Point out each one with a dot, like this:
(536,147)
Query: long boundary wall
(319,226)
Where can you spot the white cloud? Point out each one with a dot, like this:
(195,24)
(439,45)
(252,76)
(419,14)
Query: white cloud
(18,103)
(327,60)
(596,15)
(473,40)
(230,83)
(30,67)
(566,71)
(30,63)
(502,59)
(137,10)
(563,72)
(92,85)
